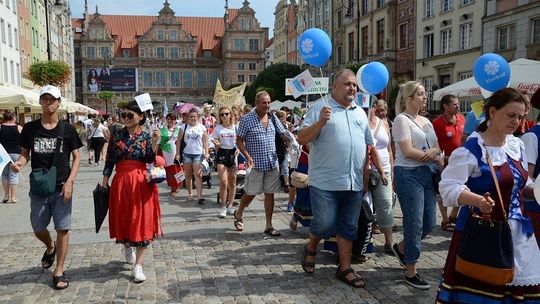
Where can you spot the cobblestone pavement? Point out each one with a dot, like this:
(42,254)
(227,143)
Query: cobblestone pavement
(201,259)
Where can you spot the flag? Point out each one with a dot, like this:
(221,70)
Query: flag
(165,109)
(478,108)
(297,112)
(301,84)
(4,158)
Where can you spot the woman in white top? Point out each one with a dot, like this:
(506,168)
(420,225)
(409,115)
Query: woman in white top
(224,138)
(417,157)
(465,182)
(98,137)
(195,151)
(381,190)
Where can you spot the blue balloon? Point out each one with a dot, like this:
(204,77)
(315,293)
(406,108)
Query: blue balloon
(491,72)
(373,77)
(315,46)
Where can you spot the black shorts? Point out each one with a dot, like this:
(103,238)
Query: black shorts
(226,157)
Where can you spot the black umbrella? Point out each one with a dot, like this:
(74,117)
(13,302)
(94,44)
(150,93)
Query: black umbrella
(101,205)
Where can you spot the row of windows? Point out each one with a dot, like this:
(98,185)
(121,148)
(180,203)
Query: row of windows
(240,44)
(446,6)
(12,72)
(242,66)
(9,34)
(10,5)
(242,78)
(179,79)
(465,40)
(380,45)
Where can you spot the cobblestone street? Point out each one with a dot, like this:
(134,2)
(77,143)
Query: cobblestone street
(200,259)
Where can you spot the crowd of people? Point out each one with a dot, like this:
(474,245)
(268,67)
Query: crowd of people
(406,161)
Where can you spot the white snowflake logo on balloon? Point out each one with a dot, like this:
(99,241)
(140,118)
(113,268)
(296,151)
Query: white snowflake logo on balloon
(307,45)
(491,67)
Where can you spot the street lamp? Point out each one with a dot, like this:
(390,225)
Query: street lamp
(58,5)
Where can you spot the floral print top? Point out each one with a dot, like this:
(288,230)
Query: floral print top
(123,146)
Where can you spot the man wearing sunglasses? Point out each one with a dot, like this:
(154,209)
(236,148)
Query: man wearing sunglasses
(39,139)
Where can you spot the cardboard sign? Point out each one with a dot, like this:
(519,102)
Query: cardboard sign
(144,101)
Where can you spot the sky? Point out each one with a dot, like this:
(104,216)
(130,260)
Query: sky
(264,9)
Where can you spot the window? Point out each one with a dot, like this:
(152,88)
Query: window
(252,77)
(326,9)
(428,45)
(126,53)
(465,2)
(10,37)
(77,51)
(245,24)
(187,79)
(365,6)
(351,46)
(12,69)
(446,41)
(160,79)
(465,36)
(380,3)
(213,77)
(16,38)
(505,37)
(253,44)
(18,71)
(174,53)
(160,52)
(240,78)
(464,75)
(172,35)
(339,21)
(207,54)
(428,85)
(239,44)
(447,5)
(380,36)
(535,30)
(161,35)
(429,7)
(142,52)
(365,43)
(3,29)
(339,55)
(403,35)
(175,79)
(252,66)
(201,79)
(6,73)
(241,66)
(105,52)
(147,78)
(90,52)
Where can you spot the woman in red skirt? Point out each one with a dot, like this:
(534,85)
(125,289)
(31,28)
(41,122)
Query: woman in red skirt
(134,213)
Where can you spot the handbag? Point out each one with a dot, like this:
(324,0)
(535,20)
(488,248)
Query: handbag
(299,180)
(43,180)
(485,251)
(281,146)
(155,174)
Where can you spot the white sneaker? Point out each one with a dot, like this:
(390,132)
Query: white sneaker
(129,253)
(138,274)
(222,212)
(230,210)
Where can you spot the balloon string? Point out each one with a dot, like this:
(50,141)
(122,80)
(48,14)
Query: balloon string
(323,96)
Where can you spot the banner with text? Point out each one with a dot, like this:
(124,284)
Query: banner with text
(320,87)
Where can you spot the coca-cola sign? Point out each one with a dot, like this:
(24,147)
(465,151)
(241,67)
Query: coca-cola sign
(528,87)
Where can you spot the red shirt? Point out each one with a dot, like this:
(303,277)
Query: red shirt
(449,134)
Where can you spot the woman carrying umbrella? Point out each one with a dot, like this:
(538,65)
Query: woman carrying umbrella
(134,213)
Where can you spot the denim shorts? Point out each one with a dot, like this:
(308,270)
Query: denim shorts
(8,174)
(42,209)
(335,212)
(192,158)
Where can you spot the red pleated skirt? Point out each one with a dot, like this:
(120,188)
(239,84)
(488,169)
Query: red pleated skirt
(134,212)
(171,171)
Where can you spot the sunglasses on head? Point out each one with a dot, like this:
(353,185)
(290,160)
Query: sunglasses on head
(224,114)
(127,115)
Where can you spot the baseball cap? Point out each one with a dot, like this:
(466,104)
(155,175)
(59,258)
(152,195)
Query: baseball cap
(50,89)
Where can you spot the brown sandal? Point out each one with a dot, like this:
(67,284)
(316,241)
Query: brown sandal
(447,226)
(342,276)
(238,222)
(305,263)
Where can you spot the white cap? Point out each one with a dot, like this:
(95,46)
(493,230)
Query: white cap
(50,89)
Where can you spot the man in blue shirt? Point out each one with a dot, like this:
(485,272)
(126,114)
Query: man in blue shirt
(256,140)
(337,129)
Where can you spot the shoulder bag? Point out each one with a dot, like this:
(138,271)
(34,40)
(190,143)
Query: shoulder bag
(485,251)
(42,180)
(281,146)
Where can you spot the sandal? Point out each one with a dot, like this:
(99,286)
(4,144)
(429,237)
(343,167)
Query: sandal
(452,219)
(342,276)
(272,232)
(238,222)
(305,263)
(447,226)
(5,200)
(48,258)
(60,282)
(293,223)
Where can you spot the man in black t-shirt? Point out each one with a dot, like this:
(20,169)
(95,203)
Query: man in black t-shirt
(38,140)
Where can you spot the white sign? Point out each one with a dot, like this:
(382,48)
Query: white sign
(5,159)
(144,101)
(301,83)
(364,100)
(320,87)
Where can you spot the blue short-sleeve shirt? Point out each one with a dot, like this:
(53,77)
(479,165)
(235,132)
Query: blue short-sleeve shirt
(338,154)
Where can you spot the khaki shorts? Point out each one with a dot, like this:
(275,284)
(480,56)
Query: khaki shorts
(258,182)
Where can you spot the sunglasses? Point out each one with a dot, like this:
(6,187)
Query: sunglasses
(224,114)
(127,115)
(48,100)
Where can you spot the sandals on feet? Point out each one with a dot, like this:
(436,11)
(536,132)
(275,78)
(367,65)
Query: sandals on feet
(305,263)
(447,226)
(342,276)
(272,232)
(238,222)
(48,258)
(60,282)
(5,200)
(293,223)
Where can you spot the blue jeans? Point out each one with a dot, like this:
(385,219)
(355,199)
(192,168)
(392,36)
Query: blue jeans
(335,211)
(416,194)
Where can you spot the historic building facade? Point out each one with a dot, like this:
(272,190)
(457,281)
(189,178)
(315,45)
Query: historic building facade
(172,58)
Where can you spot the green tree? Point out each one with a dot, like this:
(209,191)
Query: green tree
(122,104)
(106,96)
(353,67)
(52,72)
(273,77)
